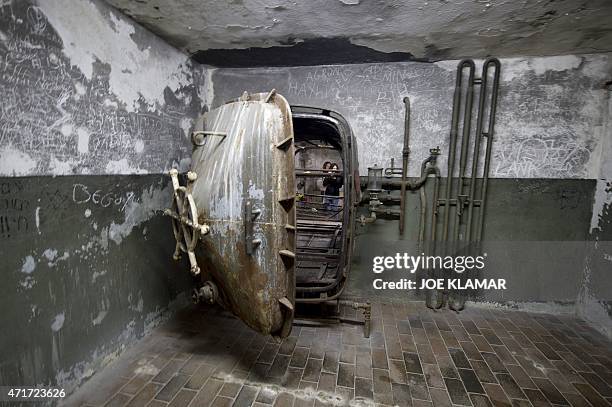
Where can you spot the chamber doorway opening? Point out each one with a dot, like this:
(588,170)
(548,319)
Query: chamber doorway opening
(321,203)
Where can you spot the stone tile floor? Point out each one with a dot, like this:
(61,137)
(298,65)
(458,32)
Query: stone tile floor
(414,357)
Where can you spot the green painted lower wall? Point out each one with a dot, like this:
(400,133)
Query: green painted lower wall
(87,262)
(536,236)
(86,269)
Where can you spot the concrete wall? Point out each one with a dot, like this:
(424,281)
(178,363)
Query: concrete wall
(549,122)
(595,300)
(550,134)
(94,110)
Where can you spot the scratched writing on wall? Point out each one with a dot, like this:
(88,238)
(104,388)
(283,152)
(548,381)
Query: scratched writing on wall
(63,120)
(15,213)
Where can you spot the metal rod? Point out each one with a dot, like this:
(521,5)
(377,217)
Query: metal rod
(465,143)
(318,173)
(324,196)
(318,170)
(434,212)
(489,135)
(423,202)
(453,138)
(405,154)
(478,141)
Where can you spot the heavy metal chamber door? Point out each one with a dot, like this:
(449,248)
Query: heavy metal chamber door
(242,186)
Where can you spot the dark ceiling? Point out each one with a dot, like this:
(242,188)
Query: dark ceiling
(282,32)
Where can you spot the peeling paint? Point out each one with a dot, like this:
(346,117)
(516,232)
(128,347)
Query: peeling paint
(52,258)
(58,322)
(83,141)
(37,219)
(594,301)
(103,94)
(516,67)
(123,166)
(14,162)
(58,167)
(27,283)
(29,265)
(98,319)
(137,212)
(549,118)
(603,197)
(50,254)
(97,39)
(97,274)
(57,119)
(139,146)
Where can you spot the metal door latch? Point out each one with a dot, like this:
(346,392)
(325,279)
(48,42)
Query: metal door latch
(250,215)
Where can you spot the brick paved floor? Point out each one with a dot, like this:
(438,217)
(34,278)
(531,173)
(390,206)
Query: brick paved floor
(414,357)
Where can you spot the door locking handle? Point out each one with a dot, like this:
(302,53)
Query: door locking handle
(250,215)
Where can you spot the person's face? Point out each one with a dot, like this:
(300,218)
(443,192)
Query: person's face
(334,167)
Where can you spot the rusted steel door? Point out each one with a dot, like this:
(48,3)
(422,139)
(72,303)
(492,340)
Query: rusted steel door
(244,191)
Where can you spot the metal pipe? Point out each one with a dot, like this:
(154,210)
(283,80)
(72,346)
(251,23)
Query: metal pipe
(425,171)
(453,138)
(318,173)
(465,143)
(489,135)
(423,202)
(478,141)
(322,300)
(405,153)
(393,170)
(457,102)
(434,213)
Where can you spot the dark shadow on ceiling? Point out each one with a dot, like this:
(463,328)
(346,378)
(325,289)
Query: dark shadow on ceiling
(317,51)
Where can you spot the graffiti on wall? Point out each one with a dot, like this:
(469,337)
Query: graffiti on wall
(549,115)
(55,120)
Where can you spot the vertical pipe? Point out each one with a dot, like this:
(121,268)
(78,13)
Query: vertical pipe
(434,212)
(479,136)
(455,304)
(489,135)
(465,143)
(453,145)
(405,153)
(422,218)
(476,154)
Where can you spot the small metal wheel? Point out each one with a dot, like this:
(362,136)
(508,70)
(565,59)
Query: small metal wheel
(186,235)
